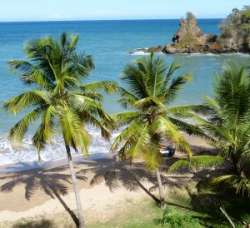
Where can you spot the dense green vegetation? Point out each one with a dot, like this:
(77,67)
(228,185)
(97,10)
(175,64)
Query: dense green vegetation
(228,128)
(235,30)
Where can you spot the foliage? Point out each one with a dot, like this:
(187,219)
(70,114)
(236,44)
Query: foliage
(241,184)
(151,87)
(175,219)
(227,124)
(188,32)
(133,214)
(198,161)
(35,224)
(58,99)
(237,27)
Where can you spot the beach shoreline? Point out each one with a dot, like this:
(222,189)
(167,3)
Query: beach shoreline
(24,193)
(43,165)
(99,198)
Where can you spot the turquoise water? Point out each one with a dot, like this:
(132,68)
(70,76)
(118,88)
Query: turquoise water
(109,42)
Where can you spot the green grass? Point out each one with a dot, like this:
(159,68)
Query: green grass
(134,216)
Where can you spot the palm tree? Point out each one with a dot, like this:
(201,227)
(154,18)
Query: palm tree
(151,122)
(227,123)
(58,100)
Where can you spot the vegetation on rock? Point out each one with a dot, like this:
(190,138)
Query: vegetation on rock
(235,30)
(189,38)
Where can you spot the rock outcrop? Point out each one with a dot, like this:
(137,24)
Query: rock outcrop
(189,38)
(235,31)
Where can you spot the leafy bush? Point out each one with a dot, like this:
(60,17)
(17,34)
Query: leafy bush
(34,224)
(198,161)
(237,27)
(175,219)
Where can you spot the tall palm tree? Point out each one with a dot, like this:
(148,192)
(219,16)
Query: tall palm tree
(58,99)
(227,123)
(151,121)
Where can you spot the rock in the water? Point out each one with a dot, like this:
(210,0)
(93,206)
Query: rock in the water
(189,33)
(189,38)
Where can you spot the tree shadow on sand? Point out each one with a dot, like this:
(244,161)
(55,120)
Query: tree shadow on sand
(131,176)
(53,182)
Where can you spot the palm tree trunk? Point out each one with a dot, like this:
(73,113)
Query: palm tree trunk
(143,187)
(39,156)
(75,188)
(160,186)
(235,163)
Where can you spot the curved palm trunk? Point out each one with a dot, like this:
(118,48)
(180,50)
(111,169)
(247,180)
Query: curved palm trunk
(143,187)
(160,186)
(75,188)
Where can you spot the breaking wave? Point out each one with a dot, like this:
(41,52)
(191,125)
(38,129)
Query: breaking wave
(53,151)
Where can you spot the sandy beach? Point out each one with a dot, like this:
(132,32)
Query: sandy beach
(35,193)
(106,187)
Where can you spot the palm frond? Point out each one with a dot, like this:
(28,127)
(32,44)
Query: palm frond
(185,110)
(198,161)
(241,184)
(127,99)
(21,65)
(26,99)
(124,118)
(189,128)
(45,130)
(175,86)
(129,133)
(73,130)
(18,131)
(166,129)
(171,70)
(108,86)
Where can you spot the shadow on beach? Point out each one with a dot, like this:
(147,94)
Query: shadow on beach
(56,182)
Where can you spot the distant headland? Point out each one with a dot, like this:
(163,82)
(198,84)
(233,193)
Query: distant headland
(234,36)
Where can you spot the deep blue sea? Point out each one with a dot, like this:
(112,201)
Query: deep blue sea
(109,43)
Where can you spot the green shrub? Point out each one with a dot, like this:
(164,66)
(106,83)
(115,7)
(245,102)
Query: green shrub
(175,219)
(44,223)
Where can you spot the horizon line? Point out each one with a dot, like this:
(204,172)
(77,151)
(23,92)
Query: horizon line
(122,19)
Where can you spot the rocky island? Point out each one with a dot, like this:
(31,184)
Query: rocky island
(234,36)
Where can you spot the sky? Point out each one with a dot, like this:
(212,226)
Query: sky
(44,10)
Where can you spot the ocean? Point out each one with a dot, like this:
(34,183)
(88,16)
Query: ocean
(109,43)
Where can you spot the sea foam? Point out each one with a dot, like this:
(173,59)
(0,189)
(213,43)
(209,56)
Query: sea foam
(139,53)
(54,151)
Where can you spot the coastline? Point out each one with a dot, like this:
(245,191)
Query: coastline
(20,200)
(78,159)
(27,194)
(45,165)
(144,51)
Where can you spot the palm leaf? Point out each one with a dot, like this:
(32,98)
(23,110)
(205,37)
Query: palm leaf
(175,86)
(18,131)
(26,99)
(198,161)
(108,86)
(73,131)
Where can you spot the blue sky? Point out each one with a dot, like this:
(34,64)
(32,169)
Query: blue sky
(26,10)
